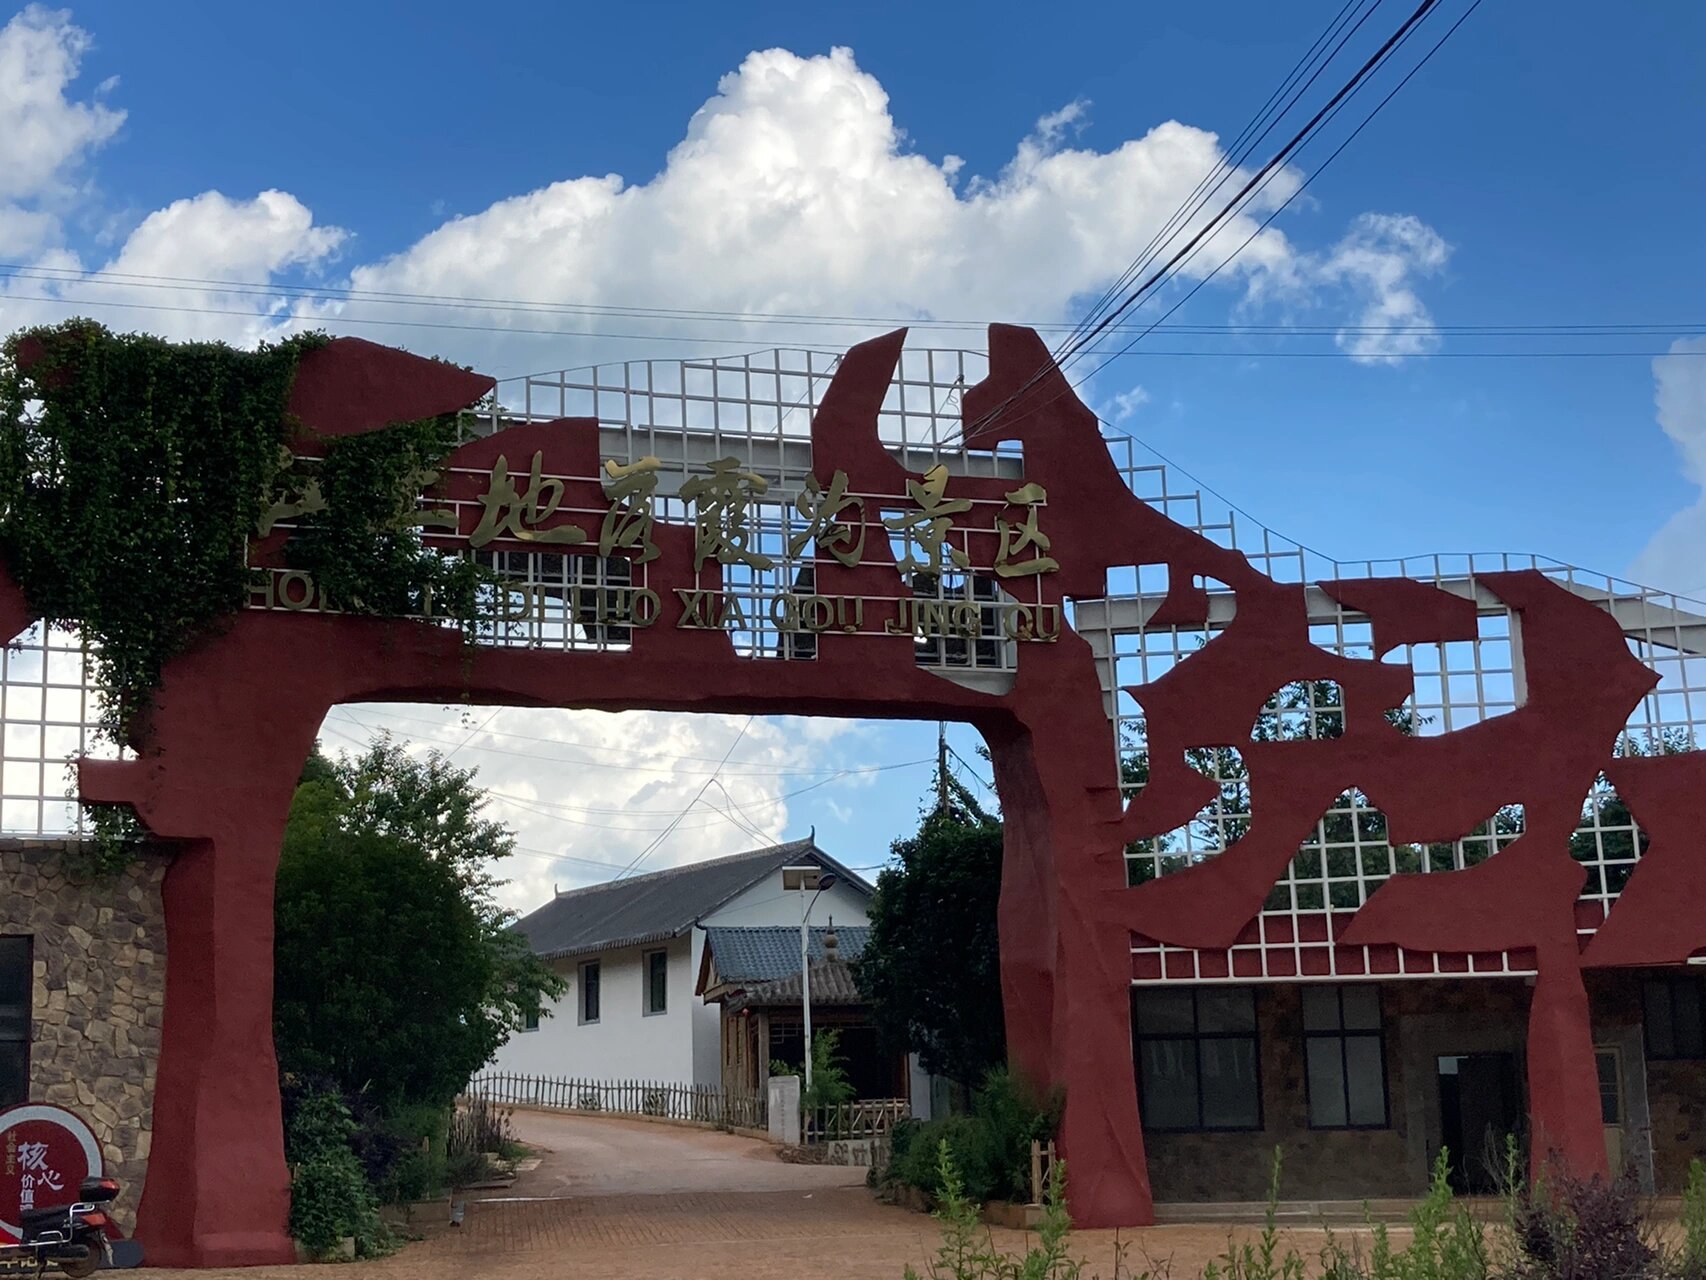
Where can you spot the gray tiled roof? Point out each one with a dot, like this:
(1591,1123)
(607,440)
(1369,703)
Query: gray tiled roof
(832,984)
(766,953)
(661,905)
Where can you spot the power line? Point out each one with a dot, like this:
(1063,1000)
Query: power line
(1233,156)
(1070,350)
(1055,365)
(643,854)
(780,340)
(1194,328)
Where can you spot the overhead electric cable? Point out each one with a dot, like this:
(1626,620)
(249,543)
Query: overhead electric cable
(643,854)
(1233,156)
(1195,328)
(1063,358)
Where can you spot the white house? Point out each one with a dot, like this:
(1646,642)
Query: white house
(631,951)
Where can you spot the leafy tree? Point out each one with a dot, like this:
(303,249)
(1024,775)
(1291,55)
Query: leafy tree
(932,967)
(395,974)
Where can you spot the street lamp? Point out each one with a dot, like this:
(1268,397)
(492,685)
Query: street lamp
(813,880)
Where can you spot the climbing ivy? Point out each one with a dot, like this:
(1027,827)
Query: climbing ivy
(133,473)
(360,549)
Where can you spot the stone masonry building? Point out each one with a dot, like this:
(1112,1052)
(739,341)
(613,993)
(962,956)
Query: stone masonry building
(85,958)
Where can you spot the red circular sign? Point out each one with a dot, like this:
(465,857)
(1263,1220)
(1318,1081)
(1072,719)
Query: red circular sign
(45,1153)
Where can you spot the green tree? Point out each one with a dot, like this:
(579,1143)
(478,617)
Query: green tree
(395,973)
(932,967)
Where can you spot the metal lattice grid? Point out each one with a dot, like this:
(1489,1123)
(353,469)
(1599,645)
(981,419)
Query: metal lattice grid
(48,712)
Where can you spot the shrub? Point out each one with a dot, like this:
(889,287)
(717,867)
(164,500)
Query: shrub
(1691,1259)
(1570,1228)
(479,1126)
(330,1197)
(990,1148)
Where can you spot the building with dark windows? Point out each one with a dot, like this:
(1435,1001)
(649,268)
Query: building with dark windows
(1364,1083)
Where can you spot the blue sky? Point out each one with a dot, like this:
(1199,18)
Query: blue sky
(1546,168)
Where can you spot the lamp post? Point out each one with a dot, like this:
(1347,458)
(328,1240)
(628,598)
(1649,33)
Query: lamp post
(814,880)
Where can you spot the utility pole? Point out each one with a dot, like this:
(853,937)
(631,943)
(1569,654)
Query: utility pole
(942,767)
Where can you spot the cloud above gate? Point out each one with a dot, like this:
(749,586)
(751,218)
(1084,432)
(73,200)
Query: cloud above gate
(1675,559)
(794,190)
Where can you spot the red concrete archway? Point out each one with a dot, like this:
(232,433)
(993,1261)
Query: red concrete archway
(236,716)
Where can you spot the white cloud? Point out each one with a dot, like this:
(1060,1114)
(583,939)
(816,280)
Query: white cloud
(1127,403)
(1379,261)
(794,190)
(588,791)
(207,237)
(44,135)
(1675,559)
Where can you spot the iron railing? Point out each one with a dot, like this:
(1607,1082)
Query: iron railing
(868,1118)
(707,1104)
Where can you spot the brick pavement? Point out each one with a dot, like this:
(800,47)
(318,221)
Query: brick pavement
(727,1210)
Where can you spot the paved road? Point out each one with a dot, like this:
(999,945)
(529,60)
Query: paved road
(632,1200)
(589,1156)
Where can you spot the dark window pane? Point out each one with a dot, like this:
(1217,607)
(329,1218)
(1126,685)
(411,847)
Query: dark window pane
(657,981)
(1661,1029)
(1229,1094)
(1362,1008)
(1326,1082)
(1226,1009)
(530,1021)
(1163,1012)
(14,1073)
(1690,1034)
(1365,1080)
(589,993)
(15,983)
(1610,1088)
(1320,1008)
(1169,1076)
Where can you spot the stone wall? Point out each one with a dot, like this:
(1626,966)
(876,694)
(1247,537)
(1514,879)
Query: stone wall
(99,995)
(1340,1164)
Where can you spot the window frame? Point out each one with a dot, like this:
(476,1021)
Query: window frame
(529,1021)
(24,1038)
(1195,1037)
(1674,985)
(646,958)
(596,967)
(1343,1035)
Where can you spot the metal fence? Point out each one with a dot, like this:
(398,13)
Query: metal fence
(869,1118)
(698,1103)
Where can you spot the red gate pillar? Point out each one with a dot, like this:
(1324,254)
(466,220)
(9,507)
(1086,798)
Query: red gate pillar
(218,1191)
(1066,962)
(1564,1117)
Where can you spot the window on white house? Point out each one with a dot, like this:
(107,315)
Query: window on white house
(589,992)
(15,987)
(657,981)
(1345,1057)
(1196,1058)
(530,1020)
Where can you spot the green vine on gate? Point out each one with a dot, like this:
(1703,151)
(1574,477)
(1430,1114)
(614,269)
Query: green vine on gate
(133,474)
